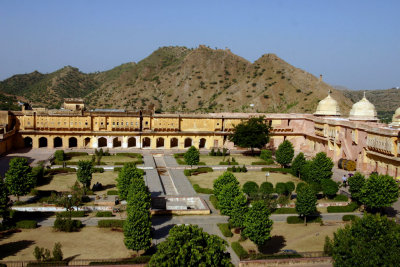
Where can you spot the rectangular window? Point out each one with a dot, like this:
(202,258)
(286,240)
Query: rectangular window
(114,123)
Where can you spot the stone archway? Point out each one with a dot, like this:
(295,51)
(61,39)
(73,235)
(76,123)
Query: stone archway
(146,142)
(188,142)
(174,142)
(117,142)
(102,142)
(86,142)
(42,142)
(57,142)
(72,142)
(202,143)
(131,142)
(160,142)
(28,142)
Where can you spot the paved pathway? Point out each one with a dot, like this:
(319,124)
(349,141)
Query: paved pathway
(152,178)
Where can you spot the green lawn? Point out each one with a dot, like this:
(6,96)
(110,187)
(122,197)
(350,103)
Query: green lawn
(215,160)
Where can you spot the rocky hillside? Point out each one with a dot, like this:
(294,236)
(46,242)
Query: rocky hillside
(182,79)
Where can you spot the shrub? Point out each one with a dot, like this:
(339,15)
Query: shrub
(76,154)
(26,224)
(212,152)
(110,223)
(250,188)
(104,214)
(117,169)
(190,172)
(228,163)
(202,190)
(112,192)
(349,208)
(66,225)
(290,187)
(74,213)
(299,186)
(214,201)
(57,252)
(244,169)
(341,198)
(266,154)
(38,173)
(266,188)
(225,230)
(59,155)
(298,220)
(349,217)
(262,162)
(187,172)
(131,155)
(281,189)
(329,187)
(239,250)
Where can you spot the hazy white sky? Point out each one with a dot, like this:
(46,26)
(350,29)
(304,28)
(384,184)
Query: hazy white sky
(352,43)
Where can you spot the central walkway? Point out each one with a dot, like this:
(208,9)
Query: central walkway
(165,177)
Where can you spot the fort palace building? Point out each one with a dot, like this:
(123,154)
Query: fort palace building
(359,137)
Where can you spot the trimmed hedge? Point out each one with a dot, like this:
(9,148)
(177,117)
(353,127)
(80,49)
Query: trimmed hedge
(298,220)
(349,217)
(190,172)
(48,263)
(131,155)
(66,225)
(117,169)
(202,190)
(281,170)
(239,250)
(110,223)
(26,224)
(100,170)
(237,169)
(104,214)
(285,211)
(228,163)
(137,162)
(59,170)
(74,213)
(112,193)
(135,260)
(224,227)
(261,256)
(75,154)
(341,198)
(214,201)
(265,162)
(349,208)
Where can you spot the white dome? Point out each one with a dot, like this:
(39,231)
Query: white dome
(363,110)
(396,118)
(328,107)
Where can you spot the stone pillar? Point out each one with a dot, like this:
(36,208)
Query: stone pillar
(35,142)
(95,143)
(124,142)
(109,142)
(138,143)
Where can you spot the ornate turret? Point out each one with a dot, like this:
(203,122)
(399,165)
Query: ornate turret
(396,118)
(363,110)
(328,107)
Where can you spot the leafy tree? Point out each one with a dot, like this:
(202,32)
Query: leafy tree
(59,155)
(266,154)
(253,133)
(280,188)
(290,187)
(321,168)
(299,186)
(137,226)
(356,183)
(306,202)
(305,171)
(285,153)
(329,188)
(71,200)
(379,191)
(19,179)
(191,246)
(225,199)
(125,176)
(239,210)
(250,188)
(84,173)
(221,181)
(192,156)
(297,164)
(373,240)
(266,188)
(4,202)
(257,224)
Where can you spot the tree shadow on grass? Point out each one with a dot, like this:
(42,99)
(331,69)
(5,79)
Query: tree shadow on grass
(274,245)
(12,248)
